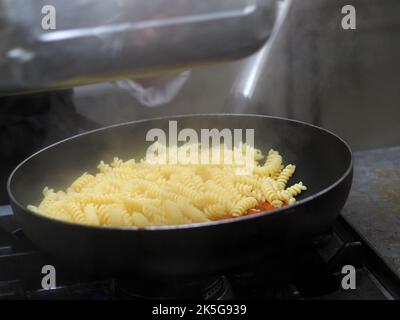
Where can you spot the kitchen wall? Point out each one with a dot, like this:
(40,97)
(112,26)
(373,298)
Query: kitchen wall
(344,80)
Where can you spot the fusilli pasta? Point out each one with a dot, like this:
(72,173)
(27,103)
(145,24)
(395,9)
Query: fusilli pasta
(141,194)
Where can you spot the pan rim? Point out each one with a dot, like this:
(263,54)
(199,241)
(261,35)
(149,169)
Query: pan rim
(192,225)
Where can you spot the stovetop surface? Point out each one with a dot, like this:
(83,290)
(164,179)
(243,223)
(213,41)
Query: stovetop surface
(373,206)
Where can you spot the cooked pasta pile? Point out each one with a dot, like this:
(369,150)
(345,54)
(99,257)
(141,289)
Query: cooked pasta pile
(141,194)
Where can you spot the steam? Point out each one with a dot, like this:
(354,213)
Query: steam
(251,73)
(262,57)
(155,92)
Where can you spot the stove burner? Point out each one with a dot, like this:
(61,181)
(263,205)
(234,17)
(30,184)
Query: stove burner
(214,288)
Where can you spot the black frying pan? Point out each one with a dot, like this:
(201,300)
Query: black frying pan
(324,164)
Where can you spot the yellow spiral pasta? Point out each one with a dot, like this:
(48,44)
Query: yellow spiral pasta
(141,194)
(139,219)
(244,205)
(285,175)
(244,189)
(215,211)
(272,165)
(296,189)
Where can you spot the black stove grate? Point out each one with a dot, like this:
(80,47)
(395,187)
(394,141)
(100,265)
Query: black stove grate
(312,272)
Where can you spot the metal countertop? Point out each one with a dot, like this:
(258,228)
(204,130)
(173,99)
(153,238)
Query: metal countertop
(373,207)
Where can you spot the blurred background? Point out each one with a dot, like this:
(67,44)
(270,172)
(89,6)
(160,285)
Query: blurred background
(347,81)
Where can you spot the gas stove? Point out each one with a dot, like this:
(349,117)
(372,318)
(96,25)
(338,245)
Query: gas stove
(364,239)
(311,272)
